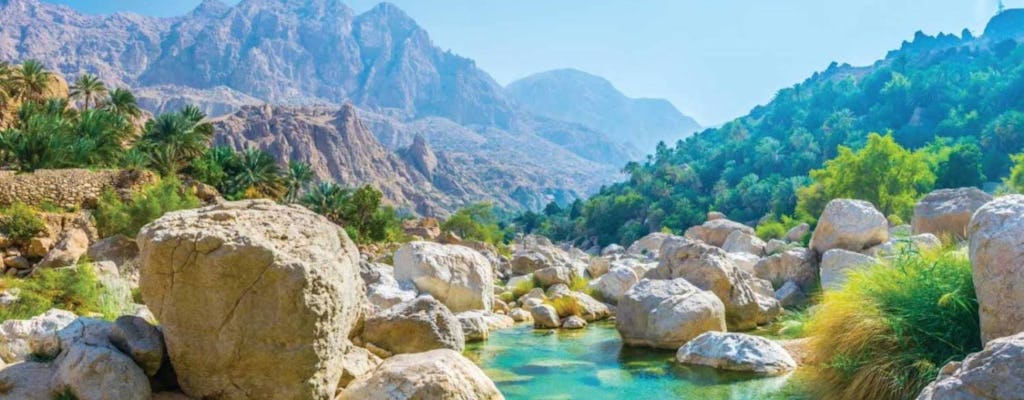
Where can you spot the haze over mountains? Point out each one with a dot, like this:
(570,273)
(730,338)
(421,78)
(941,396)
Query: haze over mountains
(299,54)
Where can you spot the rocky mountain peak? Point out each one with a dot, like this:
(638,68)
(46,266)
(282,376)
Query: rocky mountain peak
(210,8)
(421,156)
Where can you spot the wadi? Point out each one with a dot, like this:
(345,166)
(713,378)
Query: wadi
(304,199)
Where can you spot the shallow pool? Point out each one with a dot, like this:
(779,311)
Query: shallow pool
(591,364)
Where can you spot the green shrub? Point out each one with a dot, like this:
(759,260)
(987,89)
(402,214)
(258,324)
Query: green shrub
(476,222)
(775,227)
(888,330)
(73,289)
(524,287)
(116,216)
(21,222)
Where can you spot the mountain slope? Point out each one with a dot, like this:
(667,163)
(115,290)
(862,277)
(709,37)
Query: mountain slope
(934,93)
(319,53)
(576,96)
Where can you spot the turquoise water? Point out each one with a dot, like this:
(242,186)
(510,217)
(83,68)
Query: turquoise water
(591,364)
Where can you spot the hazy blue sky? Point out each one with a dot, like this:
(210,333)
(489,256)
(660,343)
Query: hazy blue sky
(714,59)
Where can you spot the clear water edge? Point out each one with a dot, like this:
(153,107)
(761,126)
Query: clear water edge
(592,364)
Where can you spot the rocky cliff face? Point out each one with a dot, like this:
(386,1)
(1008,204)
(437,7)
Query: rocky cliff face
(579,97)
(310,56)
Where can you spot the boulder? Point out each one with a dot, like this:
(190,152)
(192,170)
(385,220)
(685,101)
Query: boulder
(37,335)
(612,249)
(775,246)
(648,246)
(790,295)
(798,265)
(140,340)
(120,250)
(744,261)
(924,242)
(28,381)
(667,313)
(583,306)
(852,225)
(714,215)
(72,246)
(234,283)
(709,268)
(100,373)
(357,363)
(737,352)
(742,242)
(420,325)
(598,266)
(17,262)
(574,322)
(437,374)
(947,212)
(836,263)
(535,252)
(38,247)
(797,233)
(383,296)
(545,316)
(716,231)
(993,373)
(997,259)
(458,276)
(614,284)
(520,315)
(553,275)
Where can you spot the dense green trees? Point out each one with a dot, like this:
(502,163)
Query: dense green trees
(476,222)
(958,108)
(360,211)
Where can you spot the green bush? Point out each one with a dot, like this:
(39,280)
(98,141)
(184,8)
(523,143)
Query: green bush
(21,222)
(476,222)
(888,330)
(73,289)
(116,216)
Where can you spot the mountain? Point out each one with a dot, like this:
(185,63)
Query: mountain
(307,54)
(592,101)
(942,95)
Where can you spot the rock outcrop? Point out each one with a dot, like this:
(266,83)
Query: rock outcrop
(715,232)
(458,276)
(946,212)
(437,374)
(993,373)
(233,284)
(667,313)
(797,264)
(836,263)
(852,225)
(997,259)
(736,352)
(420,325)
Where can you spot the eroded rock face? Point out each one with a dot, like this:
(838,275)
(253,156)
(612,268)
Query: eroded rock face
(993,373)
(737,352)
(947,212)
(997,259)
(667,313)
(420,325)
(836,263)
(458,276)
(437,374)
(709,268)
(848,224)
(233,284)
(715,232)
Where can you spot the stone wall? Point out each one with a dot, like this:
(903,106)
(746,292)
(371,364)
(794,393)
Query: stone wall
(68,188)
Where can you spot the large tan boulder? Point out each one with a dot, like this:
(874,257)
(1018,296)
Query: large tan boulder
(458,276)
(836,264)
(667,313)
(420,325)
(946,212)
(437,374)
(648,245)
(715,232)
(614,284)
(848,224)
(28,381)
(997,259)
(709,268)
(71,246)
(742,242)
(120,250)
(993,373)
(236,283)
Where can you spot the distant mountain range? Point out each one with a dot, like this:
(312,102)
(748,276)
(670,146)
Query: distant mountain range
(303,55)
(592,101)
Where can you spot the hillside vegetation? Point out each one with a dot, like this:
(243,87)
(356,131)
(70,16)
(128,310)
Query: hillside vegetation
(951,106)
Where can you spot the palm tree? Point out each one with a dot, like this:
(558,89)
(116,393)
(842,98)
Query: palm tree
(299,175)
(100,136)
(178,137)
(89,88)
(31,81)
(327,199)
(41,141)
(257,175)
(123,102)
